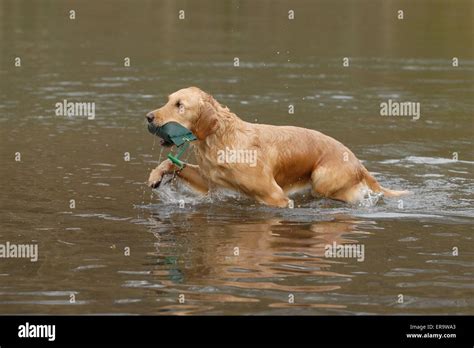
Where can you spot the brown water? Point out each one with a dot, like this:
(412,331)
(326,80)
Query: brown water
(190,250)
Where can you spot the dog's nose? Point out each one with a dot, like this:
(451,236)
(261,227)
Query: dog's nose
(150,117)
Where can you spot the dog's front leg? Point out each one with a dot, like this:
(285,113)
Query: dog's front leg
(266,191)
(156,175)
(190,174)
(274,199)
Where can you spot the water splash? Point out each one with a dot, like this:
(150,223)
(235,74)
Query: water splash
(370,198)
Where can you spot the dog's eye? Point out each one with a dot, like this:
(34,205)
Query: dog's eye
(178,104)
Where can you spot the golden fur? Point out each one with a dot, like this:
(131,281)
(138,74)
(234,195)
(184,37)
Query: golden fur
(287,157)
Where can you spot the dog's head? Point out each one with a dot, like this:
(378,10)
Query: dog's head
(191,108)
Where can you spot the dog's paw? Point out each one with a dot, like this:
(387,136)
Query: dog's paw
(154,184)
(156,175)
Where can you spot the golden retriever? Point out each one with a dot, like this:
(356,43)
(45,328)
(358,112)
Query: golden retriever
(287,158)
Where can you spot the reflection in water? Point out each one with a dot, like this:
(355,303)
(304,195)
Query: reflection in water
(190,251)
(267,260)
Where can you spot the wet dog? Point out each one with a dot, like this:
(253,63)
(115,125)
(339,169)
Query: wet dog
(287,158)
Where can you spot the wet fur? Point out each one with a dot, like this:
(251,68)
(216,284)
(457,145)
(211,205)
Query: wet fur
(287,157)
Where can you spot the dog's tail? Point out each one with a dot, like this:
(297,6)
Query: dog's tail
(376,187)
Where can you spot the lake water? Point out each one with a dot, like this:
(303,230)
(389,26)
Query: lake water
(126,249)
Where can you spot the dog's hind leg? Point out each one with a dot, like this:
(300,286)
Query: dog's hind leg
(340,184)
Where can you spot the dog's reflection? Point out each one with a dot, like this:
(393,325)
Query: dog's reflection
(270,253)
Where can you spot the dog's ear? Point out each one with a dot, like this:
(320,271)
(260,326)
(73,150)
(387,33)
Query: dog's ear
(207,122)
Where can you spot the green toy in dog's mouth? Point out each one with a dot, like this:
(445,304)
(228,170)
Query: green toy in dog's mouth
(172,133)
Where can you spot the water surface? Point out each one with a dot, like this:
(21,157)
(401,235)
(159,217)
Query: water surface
(190,251)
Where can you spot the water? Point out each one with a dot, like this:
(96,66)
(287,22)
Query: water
(191,251)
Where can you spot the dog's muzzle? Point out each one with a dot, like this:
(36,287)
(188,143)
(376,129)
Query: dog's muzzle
(172,133)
